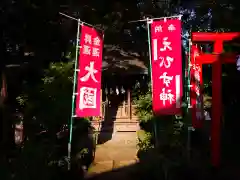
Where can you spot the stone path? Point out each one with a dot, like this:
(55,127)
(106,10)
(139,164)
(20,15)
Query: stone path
(118,152)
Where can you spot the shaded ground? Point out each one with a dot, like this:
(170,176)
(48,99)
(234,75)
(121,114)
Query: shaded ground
(146,170)
(119,151)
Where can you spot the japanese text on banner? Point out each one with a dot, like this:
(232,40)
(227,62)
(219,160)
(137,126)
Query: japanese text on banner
(196,83)
(89,74)
(166,66)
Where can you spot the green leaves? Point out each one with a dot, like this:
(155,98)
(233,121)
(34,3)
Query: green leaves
(50,101)
(144,140)
(144,106)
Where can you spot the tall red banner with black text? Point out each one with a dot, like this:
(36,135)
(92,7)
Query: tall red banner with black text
(166,62)
(196,82)
(88,102)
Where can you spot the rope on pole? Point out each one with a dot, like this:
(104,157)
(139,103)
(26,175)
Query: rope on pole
(82,22)
(150,19)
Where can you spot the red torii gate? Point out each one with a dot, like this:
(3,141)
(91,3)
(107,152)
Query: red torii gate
(217,58)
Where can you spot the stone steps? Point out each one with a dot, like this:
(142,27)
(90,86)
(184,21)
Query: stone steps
(121,126)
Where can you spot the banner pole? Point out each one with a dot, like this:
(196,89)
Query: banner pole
(149,21)
(73,96)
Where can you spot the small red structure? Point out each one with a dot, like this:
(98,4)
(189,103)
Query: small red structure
(217,58)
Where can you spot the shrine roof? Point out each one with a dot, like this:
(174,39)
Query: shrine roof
(117,60)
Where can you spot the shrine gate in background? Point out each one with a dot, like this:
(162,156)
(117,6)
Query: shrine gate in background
(217,58)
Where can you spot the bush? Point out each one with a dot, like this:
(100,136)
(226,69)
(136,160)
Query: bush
(161,137)
(46,107)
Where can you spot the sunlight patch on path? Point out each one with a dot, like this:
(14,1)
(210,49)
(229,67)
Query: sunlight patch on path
(118,152)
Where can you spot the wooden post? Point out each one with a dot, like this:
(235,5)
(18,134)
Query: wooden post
(129,104)
(216,106)
(125,113)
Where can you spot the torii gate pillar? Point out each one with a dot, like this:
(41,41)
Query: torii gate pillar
(216,60)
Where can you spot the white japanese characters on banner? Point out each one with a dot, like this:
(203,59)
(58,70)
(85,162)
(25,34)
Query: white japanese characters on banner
(88,102)
(196,85)
(166,66)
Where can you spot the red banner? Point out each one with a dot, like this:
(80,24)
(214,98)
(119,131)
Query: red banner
(166,66)
(196,88)
(88,102)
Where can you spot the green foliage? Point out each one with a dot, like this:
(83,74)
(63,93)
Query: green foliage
(161,140)
(144,140)
(144,106)
(157,130)
(49,102)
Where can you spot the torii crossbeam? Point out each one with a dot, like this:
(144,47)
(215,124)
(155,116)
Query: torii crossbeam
(217,58)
